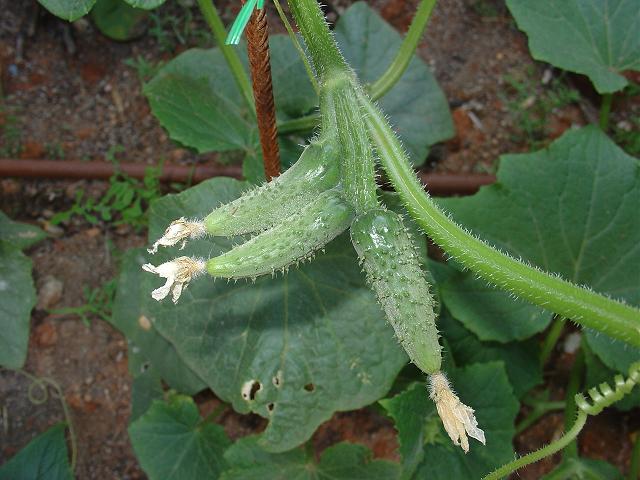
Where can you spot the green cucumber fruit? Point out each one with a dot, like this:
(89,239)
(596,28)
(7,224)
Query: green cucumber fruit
(295,239)
(267,205)
(393,271)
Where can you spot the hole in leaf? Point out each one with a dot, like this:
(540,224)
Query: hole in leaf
(270,407)
(250,389)
(309,387)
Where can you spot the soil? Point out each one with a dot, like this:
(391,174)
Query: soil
(67,94)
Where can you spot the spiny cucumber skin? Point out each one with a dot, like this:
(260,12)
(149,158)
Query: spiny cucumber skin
(293,240)
(393,271)
(267,205)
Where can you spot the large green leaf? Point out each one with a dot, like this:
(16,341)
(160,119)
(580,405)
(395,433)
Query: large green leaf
(44,458)
(148,350)
(571,209)
(21,235)
(345,461)
(416,106)
(310,343)
(521,359)
(598,38)
(491,314)
(195,98)
(17,298)
(172,443)
(68,9)
(425,446)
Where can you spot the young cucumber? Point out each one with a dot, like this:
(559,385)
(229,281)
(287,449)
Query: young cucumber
(267,205)
(292,240)
(389,258)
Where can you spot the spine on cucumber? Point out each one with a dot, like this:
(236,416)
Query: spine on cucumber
(393,271)
(265,206)
(296,238)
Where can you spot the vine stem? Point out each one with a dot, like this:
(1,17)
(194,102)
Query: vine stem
(260,63)
(550,341)
(583,306)
(394,72)
(634,467)
(214,21)
(550,449)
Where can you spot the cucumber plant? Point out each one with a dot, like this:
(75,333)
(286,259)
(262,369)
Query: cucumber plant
(300,346)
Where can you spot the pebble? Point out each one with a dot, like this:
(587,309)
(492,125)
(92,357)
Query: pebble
(50,292)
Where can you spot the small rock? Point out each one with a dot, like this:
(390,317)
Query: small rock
(46,334)
(92,232)
(50,292)
(54,230)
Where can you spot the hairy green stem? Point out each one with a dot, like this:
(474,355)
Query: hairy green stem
(212,18)
(394,72)
(548,291)
(550,341)
(325,55)
(539,410)
(605,110)
(550,449)
(575,381)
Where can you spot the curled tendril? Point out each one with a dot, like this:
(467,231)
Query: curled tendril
(38,393)
(241,21)
(604,396)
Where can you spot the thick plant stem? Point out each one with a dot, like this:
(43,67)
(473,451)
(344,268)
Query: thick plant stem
(551,292)
(319,40)
(550,449)
(260,64)
(400,63)
(212,18)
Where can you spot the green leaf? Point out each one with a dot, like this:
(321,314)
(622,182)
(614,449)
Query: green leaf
(148,350)
(195,98)
(569,209)
(486,389)
(145,388)
(311,343)
(118,20)
(598,38)
(44,458)
(416,106)
(584,469)
(68,9)
(17,298)
(20,235)
(172,443)
(491,314)
(145,4)
(521,359)
(346,461)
